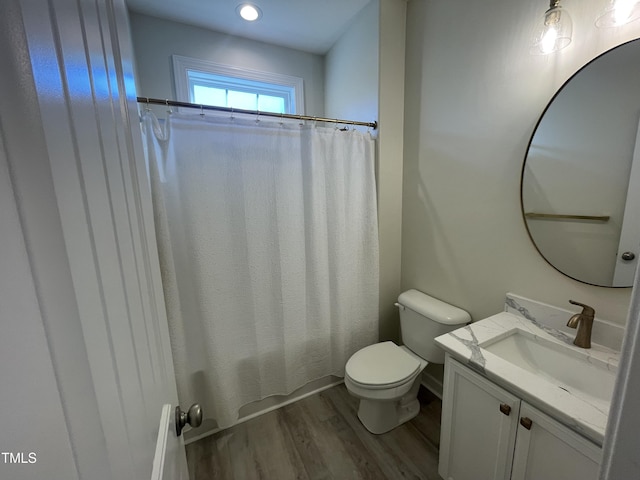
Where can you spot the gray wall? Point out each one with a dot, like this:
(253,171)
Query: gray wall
(351,69)
(155,40)
(473,96)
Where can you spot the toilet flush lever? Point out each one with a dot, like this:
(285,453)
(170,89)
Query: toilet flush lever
(399,305)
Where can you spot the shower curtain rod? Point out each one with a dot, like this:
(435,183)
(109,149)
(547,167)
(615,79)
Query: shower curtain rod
(173,103)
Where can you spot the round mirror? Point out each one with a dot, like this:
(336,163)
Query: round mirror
(580,187)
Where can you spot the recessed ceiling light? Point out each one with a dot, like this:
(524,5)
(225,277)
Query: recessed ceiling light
(249,12)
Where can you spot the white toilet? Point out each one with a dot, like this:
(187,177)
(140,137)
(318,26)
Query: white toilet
(386,377)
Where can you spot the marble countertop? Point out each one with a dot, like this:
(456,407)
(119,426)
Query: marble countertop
(581,412)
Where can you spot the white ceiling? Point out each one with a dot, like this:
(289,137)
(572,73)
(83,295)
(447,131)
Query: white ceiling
(308,25)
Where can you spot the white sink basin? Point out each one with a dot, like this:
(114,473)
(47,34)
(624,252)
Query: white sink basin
(569,368)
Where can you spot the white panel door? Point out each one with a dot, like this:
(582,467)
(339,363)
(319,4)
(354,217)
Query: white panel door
(99,353)
(33,439)
(625,269)
(479,423)
(168,446)
(546,449)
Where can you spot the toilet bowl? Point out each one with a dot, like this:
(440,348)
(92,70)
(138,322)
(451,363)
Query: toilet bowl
(386,377)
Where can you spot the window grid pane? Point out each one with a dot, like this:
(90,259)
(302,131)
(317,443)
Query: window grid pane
(220,91)
(243,100)
(269,103)
(209,96)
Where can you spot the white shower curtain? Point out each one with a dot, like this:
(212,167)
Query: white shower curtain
(268,243)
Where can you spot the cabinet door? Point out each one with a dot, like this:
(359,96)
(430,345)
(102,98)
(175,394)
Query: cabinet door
(546,449)
(479,424)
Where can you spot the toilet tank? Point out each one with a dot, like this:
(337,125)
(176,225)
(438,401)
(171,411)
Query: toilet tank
(423,318)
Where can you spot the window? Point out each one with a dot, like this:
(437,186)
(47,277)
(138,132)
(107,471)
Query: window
(208,83)
(223,91)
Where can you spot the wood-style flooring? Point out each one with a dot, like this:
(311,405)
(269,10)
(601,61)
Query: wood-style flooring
(320,437)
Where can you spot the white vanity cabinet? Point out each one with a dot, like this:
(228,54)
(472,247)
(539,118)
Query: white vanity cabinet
(479,424)
(546,449)
(489,434)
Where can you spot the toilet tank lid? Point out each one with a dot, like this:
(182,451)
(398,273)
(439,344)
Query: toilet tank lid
(433,308)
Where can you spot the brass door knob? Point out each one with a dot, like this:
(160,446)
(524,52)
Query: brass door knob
(193,417)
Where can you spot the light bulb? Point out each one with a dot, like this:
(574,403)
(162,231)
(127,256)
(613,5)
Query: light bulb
(618,13)
(249,12)
(548,41)
(622,12)
(553,32)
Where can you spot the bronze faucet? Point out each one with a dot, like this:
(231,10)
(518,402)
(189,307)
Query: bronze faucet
(583,322)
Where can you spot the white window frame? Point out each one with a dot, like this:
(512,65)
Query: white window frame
(182,65)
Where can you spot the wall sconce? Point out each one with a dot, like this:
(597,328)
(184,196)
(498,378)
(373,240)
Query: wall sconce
(619,12)
(553,32)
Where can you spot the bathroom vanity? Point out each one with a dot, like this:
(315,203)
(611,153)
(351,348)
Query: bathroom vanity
(489,433)
(520,401)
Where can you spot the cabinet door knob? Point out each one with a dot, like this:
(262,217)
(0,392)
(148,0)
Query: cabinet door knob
(506,409)
(526,422)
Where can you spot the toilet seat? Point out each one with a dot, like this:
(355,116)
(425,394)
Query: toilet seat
(383,365)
